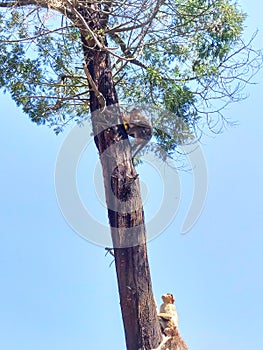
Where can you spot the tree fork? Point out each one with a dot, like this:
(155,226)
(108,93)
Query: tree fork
(141,325)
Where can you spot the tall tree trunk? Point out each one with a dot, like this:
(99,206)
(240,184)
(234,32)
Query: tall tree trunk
(125,211)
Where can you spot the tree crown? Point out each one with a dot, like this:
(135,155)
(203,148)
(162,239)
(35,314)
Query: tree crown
(186,58)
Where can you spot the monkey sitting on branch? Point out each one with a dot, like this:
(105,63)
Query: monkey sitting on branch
(140,128)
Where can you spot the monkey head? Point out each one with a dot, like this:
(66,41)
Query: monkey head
(134,112)
(168,298)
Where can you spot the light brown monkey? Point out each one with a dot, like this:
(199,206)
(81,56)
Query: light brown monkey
(168,315)
(140,128)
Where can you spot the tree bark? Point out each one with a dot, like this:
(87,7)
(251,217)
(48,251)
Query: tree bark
(125,211)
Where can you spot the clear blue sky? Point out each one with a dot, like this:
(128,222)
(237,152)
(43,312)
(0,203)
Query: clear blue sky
(57,290)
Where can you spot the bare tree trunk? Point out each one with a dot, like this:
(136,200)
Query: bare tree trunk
(125,211)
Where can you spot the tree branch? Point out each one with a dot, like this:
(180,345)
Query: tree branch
(57,30)
(20,3)
(119,28)
(99,95)
(126,51)
(49,4)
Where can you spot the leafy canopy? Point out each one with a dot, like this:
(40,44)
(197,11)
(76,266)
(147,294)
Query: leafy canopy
(185,58)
